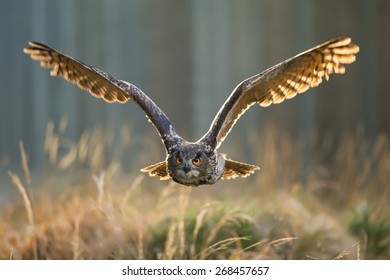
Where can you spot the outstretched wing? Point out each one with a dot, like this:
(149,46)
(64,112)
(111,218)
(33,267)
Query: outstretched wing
(280,82)
(102,85)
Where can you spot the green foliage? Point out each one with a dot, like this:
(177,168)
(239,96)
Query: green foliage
(374,232)
(207,228)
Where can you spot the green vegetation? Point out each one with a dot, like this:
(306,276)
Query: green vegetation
(375,233)
(83,210)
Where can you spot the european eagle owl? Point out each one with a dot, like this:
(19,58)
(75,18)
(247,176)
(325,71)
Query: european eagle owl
(198,163)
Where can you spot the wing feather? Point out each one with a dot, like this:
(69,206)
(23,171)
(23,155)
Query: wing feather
(102,85)
(282,81)
(158,169)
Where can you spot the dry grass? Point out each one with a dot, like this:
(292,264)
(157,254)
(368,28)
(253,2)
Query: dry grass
(88,208)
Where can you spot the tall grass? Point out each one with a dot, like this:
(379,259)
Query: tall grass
(296,207)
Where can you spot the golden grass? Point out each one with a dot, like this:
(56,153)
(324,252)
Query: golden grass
(27,205)
(88,208)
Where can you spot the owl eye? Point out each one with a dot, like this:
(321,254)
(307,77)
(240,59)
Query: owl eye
(196,161)
(179,160)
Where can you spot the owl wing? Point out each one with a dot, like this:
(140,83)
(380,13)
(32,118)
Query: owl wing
(102,85)
(234,169)
(280,82)
(158,169)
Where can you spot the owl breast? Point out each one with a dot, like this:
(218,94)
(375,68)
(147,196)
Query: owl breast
(194,178)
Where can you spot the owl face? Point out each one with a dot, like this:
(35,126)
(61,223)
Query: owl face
(192,165)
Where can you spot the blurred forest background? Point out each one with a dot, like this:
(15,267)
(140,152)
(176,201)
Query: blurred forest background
(188,56)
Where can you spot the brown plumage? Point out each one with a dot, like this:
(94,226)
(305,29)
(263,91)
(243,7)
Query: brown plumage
(282,81)
(198,163)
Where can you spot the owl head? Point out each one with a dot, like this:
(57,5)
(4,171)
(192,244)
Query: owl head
(192,164)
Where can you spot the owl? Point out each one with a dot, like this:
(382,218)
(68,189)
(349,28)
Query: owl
(200,163)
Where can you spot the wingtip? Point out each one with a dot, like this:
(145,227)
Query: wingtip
(32,45)
(338,42)
(355,48)
(346,40)
(36,45)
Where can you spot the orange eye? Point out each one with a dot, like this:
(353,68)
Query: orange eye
(179,160)
(196,161)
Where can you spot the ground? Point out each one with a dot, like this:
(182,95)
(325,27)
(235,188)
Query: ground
(337,209)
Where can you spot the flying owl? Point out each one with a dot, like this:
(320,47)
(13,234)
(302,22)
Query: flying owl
(199,163)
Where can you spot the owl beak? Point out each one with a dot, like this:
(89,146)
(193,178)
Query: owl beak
(186,167)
